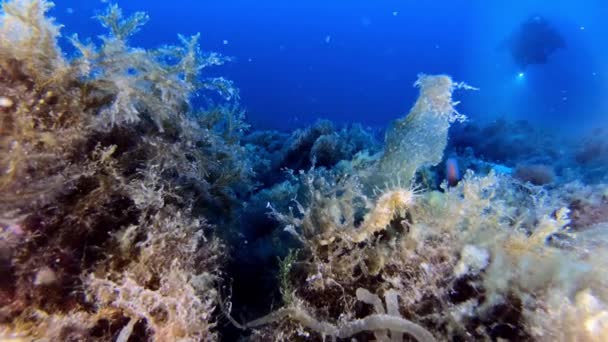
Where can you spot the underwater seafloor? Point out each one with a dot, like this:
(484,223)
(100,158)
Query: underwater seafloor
(128,215)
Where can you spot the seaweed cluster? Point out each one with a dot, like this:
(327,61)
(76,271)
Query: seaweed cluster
(493,257)
(106,177)
(125,214)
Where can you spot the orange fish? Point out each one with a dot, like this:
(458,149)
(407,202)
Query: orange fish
(451,171)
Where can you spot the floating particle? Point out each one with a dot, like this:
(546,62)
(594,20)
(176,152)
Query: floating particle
(327,39)
(6,102)
(395,13)
(225,42)
(69,10)
(582,28)
(45,276)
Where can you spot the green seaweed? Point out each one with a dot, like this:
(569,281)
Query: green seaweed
(420,138)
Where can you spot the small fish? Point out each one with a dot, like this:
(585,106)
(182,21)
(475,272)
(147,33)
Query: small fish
(451,171)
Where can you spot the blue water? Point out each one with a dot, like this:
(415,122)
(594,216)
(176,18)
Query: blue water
(356,60)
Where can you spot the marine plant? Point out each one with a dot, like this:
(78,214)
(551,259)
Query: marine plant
(113,193)
(419,138)
(106,177)
(489,258)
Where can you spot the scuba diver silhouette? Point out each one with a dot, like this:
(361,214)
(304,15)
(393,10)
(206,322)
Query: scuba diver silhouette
(534,41)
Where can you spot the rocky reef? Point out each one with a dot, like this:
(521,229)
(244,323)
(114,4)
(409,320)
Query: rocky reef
(126,214)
